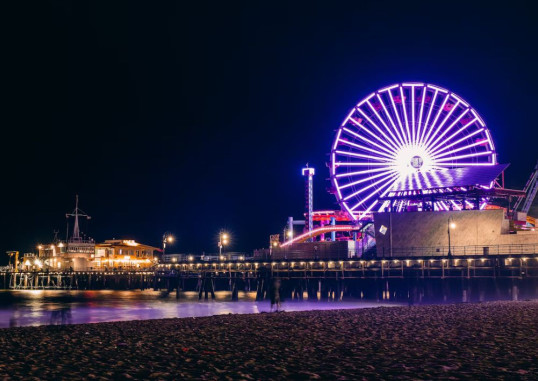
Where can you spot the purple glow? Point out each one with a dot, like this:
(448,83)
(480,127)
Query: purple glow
(384,124)
(376,127)
(391,121)
(365,148)
(394,141)
(369,141)
(397,116)
(441,125)
(405,115)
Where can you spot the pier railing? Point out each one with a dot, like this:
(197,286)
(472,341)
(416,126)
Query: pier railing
(472,250)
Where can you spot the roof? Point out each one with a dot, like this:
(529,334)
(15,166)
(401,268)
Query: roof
(450,178)
(124,243)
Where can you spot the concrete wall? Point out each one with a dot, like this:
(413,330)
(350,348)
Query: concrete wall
(429,229)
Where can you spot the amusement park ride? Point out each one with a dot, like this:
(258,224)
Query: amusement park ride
(410,147)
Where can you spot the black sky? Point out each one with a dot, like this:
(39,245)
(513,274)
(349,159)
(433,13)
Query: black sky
(196,116)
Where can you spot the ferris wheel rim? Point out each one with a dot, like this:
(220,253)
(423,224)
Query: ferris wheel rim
(401,131)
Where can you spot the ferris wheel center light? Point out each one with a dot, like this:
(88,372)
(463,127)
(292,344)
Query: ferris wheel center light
(416,162)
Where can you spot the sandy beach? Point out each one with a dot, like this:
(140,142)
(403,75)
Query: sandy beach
(463,341)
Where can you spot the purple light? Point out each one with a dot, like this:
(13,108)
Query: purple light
(390,120)
(369,141)
(361,172)
(438,88)
(429,114)
(384,142)
(365,148)
(383,122)
(439,112)
(353,154)
(449,128)
(421,112)
(405,115)
(441,126)
(397,116)
(376,127)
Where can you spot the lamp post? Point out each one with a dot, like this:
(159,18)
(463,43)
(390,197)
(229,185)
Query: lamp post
(167,238)
(223,240)
(450,225)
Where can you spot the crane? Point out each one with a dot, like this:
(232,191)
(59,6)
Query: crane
(531,188)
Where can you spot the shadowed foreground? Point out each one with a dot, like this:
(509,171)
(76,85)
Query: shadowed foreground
(463,341)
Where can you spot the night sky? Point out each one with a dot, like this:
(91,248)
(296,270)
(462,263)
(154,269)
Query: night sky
(195,116)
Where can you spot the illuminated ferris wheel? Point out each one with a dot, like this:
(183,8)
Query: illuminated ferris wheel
(405,137)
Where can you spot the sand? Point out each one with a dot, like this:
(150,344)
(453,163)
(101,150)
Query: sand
(462,341)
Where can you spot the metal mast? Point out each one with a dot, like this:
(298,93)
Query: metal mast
(309,173)
(76,229)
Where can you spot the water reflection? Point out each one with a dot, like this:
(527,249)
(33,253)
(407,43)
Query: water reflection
(42,307)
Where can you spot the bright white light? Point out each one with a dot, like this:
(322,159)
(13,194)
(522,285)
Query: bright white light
(412,159)
(452,225)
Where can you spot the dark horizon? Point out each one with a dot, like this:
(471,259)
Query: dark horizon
(195,118)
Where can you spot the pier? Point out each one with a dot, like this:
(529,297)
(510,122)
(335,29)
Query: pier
(405,279)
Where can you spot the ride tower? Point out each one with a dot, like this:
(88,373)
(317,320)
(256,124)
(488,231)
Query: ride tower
(308,174)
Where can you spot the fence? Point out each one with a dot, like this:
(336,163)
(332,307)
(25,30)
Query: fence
(443,251)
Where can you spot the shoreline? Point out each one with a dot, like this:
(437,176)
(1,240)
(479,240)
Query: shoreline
(491,339)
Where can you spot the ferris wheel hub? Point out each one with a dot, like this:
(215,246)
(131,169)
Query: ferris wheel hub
(411,159)
(417,162)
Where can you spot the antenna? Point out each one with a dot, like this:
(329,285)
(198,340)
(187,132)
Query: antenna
(76,229)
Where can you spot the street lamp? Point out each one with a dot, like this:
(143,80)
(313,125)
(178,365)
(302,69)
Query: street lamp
(167,238)
(451,225)
(223,240)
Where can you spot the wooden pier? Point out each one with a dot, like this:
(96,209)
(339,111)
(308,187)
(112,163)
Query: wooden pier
(458,278)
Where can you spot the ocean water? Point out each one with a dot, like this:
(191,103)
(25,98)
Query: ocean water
(43,307)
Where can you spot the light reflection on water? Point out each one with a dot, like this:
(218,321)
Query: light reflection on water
(42,307)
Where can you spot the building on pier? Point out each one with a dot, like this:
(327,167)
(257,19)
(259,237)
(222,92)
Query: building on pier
(124,254)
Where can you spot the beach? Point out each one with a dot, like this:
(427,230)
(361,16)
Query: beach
(459,341)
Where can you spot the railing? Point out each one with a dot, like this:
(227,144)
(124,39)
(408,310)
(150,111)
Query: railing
(443,251)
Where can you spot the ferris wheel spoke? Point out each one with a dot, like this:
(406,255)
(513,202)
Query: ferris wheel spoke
(425,128)
(433,144)
(451,111)
(363,180)
(413,114)
(478,143)
(400,138)
(360,155)
(363,214)
(406,120)
(377,127)
(376,191)
(388,177)
(359,164)
(394,139)
(439,112)
(385,148)
(364,148)
(397,116)
(473,164)
(366,171)
(476,154)
(444,146)
(421,113)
